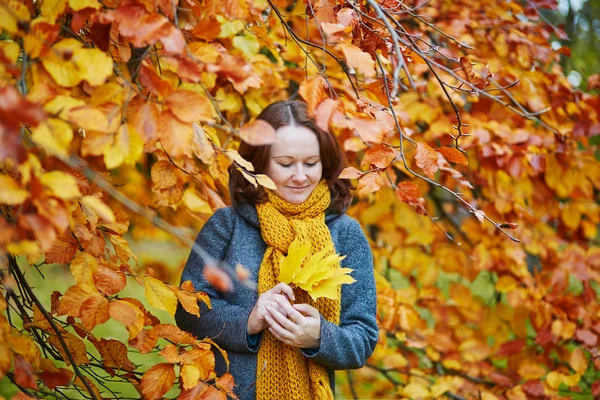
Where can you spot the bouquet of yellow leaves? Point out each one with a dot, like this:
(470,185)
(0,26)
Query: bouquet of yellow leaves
(317,275)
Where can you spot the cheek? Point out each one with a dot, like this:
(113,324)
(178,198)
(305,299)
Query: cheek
(276,173)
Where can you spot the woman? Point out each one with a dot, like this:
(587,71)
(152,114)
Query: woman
(281,344)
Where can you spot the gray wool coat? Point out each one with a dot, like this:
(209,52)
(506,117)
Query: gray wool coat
(233,235)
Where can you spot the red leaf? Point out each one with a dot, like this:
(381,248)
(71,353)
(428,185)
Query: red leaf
(81,18)
(379,155)
(410,193)
(24,373)
(534,388)
(100,35)
(512,347)
(501,380)
(54,377)
(453,155)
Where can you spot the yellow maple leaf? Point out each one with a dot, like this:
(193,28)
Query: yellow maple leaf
(316,276)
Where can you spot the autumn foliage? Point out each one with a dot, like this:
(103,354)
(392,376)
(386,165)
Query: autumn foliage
(475,164)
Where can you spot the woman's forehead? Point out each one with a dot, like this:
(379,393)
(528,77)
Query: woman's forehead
(295,141)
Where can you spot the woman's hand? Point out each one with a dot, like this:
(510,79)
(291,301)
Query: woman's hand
(299,325)
(271,298)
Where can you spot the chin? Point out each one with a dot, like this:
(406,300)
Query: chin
(296,198)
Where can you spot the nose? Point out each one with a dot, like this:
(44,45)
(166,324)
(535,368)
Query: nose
(299,175)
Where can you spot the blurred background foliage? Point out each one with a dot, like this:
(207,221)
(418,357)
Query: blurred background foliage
(581,20)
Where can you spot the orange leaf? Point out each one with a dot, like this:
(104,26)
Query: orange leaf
(453,155)
(6,357)
(359,60)
(410,193)
(175,136)
(218,278)
(144,118)
(108,280)
(370,182)
(326,110)
(63,250)
(128,314)
(194,393)
(202,147)
(157,381)
(313,92)
(94,311)
(144,28)
(226,383)
(75,345)
(427,159)
(257,133)
(164,174)
(189,106)
(144,341)
(467,68)
(122,248)
(71,301)
(171,354)
(578,360)
(213,393)
(173,334)
(114,354)
(154,82)
(350,173)
(378,155)
(188,301)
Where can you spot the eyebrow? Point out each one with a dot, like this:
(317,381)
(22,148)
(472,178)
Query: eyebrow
(308,158)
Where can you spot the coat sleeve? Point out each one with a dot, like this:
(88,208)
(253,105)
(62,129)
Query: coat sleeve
(348,345)
(225,323)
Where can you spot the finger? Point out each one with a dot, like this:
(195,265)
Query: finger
(280,330)
(286,289)
(291,312)
(278,337)
(307,310)
(278,301)
(282,320)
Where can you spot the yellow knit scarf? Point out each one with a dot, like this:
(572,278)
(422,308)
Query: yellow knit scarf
(289,374)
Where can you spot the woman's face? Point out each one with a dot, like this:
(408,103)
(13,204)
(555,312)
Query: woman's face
(295,163)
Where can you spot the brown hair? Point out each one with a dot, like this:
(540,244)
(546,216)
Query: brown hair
(333,160)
